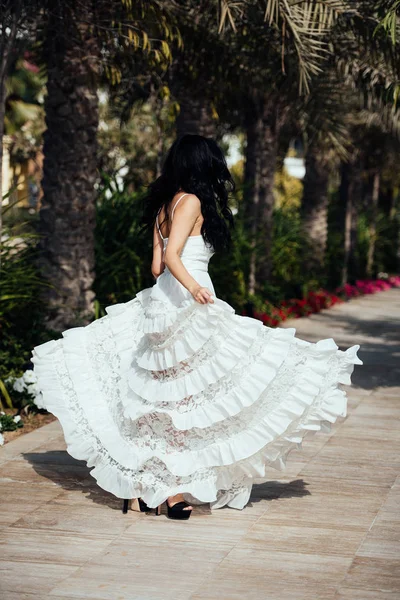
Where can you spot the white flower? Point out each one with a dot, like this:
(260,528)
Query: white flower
(29,376)
(1,426)
(1,440)
(33,389)
(2,412)
(19,385)
(16,419)
(39,401)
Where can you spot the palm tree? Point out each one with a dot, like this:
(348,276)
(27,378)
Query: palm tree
(284,60)
(72,55)
(322,118)
(350,92)
(82,41)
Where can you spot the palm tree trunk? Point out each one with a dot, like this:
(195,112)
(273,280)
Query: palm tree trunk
(356,190)
(262,128)
(266,203)
(372,227)
(386,202)
(67,215)
(346,205)
(251,190)
(350,191)
(314,206)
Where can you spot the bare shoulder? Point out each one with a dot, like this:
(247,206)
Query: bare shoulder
(190,204)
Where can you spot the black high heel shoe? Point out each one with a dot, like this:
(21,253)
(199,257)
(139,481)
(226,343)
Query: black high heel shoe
(176,511)
(137,504)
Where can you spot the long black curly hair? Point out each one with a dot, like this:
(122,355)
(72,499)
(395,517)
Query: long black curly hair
(195,165)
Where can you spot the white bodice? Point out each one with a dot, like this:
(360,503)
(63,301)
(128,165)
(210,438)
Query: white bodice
(195,254)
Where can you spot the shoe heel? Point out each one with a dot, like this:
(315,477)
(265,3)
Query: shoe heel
(125,506)
(158,510)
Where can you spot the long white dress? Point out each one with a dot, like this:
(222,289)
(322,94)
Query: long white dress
(165,395)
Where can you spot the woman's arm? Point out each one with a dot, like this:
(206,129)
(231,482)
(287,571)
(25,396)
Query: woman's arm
(157,265)
(185,217)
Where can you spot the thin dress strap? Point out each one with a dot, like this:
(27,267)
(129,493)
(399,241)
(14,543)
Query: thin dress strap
(176,203)
(158,225)
(172,214)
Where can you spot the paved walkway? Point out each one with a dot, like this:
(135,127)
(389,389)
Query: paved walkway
(327,528)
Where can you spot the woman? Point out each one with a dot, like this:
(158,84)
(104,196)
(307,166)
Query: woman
(172,397)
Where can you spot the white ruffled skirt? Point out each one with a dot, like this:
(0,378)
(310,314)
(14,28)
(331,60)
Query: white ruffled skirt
(162,396)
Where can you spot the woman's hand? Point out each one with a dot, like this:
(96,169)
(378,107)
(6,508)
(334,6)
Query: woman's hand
(202,295)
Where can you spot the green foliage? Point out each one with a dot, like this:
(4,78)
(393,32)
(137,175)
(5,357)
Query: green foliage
(134,136)
(23,395)
(387,242)
(363,239)
(123,250)
(14,349)
(21,310)
(288,248)
(19,277)
(287,190)
(25,91)
(335,243)
(390,21)
(7,423)
(229,271)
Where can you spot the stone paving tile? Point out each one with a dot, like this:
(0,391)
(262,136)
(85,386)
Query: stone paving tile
(30,441)
(18,499)
(75,518)
(8,595)
(387,407)
(301,539)
(323,506)
(255,573)
(65,548)
(371,573)
(38,578)
(390,510)
(130,568)
(344,593)
(378,473)
(363,449)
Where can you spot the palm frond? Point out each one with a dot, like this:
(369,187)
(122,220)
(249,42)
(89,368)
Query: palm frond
(228,11)
(307,24)
(390,22)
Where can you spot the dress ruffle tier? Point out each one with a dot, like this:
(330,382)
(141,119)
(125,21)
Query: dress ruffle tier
(192,398)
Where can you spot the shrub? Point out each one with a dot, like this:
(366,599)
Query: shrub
(123,251)
(21,309)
